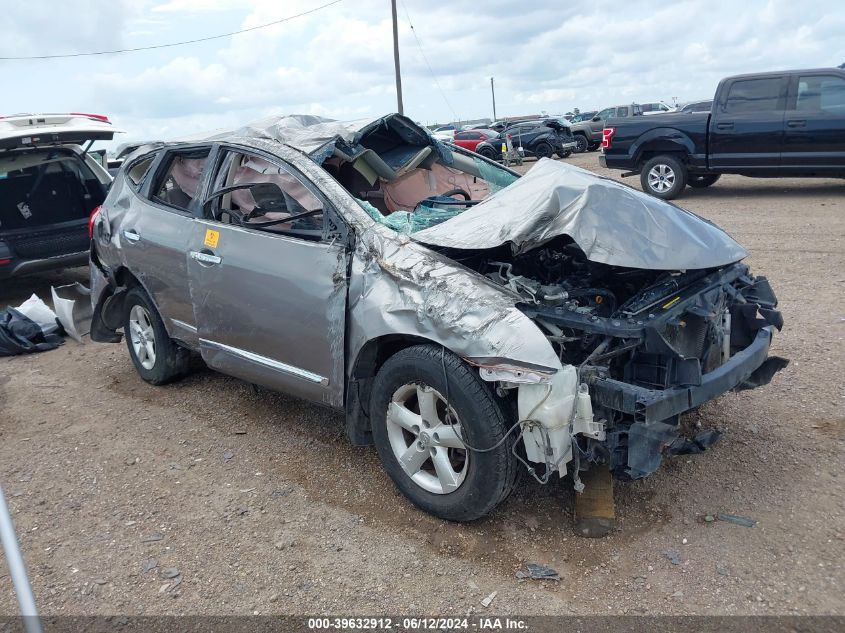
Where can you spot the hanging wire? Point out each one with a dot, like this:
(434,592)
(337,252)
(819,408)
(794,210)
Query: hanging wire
(172,44)
(425,59)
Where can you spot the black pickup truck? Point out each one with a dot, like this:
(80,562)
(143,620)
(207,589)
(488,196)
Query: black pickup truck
(789,123)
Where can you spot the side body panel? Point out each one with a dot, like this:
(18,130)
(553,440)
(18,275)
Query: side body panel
(814,130)
(747,140)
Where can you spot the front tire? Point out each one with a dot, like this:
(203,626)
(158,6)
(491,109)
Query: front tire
(419,436)
(565,154)
(663,177)
(157,358)
(700,182)
(581,144)
(486,152)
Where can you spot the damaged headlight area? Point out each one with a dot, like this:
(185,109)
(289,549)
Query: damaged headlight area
(638,348)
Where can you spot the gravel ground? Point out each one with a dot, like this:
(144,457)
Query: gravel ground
(209,497)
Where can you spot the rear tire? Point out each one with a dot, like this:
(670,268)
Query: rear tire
(700,182)
(581,144)
(663,177)
(157,358)
(408,406)
(486,152)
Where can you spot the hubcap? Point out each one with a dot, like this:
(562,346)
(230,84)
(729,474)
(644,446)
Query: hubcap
(142,336)
(424,433)
(661,178)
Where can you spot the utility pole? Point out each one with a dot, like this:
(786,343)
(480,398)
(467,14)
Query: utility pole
(493,90)
(396,59)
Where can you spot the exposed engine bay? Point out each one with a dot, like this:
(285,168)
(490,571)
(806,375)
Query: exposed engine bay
(632,336)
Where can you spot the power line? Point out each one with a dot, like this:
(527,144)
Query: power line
(172,44)
(430,70)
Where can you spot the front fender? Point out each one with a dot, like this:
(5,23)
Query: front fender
(400,287)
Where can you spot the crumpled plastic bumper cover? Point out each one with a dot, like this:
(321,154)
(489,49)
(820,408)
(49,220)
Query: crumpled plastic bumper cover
(650,405)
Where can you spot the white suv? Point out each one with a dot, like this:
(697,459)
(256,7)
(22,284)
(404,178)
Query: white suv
(50,183)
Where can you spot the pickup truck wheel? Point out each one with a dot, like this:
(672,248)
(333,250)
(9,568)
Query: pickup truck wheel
(664,177)
(700,182)
(157,358)
(581,143)
(593,147)
(425,402)
(543,150)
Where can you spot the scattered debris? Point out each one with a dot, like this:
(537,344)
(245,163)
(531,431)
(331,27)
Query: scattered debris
(149,565)
(486,602)
(677,594)
(227,455)
(99,581)
(722,570)
(153,538)
(170,572)
(709,518)
(473,585)
(673,556)
(538,572)
(737,520)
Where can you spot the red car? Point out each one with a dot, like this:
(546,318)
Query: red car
(469,139)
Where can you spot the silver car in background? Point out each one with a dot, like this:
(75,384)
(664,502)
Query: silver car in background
(465,319)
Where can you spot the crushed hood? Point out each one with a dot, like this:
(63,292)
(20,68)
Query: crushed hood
(612,223)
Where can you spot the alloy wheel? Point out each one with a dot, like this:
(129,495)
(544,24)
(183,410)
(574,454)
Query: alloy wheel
(661,178)
(425,436)
(142,335)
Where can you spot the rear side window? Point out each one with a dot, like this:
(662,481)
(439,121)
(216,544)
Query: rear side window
(623,111)
(177,182)
(821,93)
(754,95)
(137,170)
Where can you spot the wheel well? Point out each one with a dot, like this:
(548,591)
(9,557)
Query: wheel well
(649,153)
(376,351)
(372,356)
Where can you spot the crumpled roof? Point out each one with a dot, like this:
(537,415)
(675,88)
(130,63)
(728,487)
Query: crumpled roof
(305,132)
(611,222)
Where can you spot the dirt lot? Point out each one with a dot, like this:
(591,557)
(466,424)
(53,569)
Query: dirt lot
(259,504)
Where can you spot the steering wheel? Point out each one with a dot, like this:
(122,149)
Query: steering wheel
(456,191)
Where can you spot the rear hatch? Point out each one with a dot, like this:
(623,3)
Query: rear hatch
(50,129)
(47,189)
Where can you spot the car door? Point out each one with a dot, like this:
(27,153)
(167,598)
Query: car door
(746,128)
(270,300)
(598,121)
(155,233)
(814,125)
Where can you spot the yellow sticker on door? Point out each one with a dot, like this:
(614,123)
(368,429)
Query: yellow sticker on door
(211,238)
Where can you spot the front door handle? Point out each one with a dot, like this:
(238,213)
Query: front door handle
(131,235)
(208,259)
(796,123)
(728,125)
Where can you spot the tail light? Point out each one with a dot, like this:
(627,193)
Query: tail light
(607,136)
(91,219)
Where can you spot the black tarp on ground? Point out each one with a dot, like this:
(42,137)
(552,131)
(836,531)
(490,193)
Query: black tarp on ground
(21,335)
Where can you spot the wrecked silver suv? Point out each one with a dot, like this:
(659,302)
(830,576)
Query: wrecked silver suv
(465,319)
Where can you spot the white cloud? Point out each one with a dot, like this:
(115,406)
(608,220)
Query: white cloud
(544,55)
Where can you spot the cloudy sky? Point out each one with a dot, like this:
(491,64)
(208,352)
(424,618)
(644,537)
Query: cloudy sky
(545,55)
